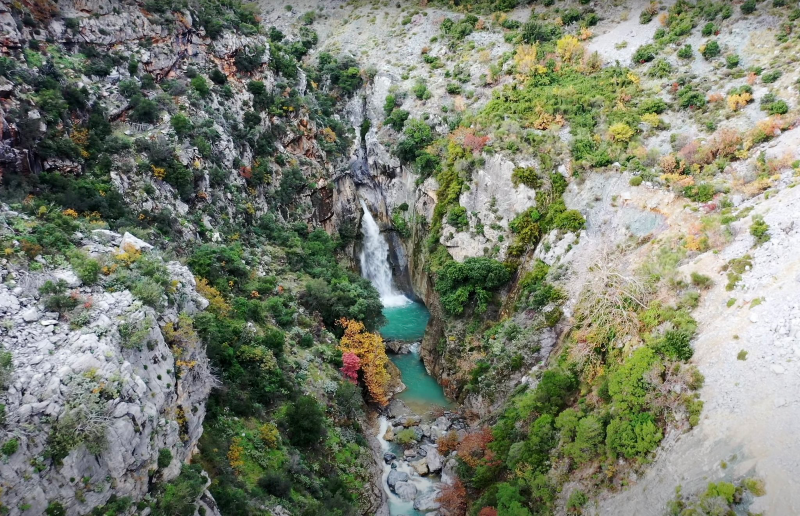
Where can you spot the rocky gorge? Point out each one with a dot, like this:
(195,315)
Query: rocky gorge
(204,199)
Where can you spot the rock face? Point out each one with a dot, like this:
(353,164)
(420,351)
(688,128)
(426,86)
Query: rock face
(405,490)
(137,396)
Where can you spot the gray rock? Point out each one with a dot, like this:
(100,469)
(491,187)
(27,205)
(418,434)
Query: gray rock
(31,315)
(433,457)
(406,491)
(395,477)
(68,277)
(427,502)
(129,240)
(389,457)
(8,302)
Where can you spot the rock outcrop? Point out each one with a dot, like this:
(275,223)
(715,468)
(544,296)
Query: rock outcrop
(92,403)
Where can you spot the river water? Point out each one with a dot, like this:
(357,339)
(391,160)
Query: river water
(405,321)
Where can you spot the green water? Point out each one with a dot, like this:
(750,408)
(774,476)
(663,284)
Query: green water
(407,323)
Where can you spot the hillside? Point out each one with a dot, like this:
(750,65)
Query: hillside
(594,200)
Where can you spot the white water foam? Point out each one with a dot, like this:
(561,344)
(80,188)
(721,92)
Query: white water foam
(424,485)
(375,263)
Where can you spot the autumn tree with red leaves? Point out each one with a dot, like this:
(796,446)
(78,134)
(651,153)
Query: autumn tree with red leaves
(371,353)
(453,499)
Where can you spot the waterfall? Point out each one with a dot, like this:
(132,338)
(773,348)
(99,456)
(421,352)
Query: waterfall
(375,261)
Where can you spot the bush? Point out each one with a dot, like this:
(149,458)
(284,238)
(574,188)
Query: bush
(577,499)
(635,181)
(686,52)
(164,458)
(711,50)
(703,192)
(675,344)
(200,85)
(405,437)
(148,292)
(57,300)
(10,447)
(748,7)
(645,53)
(770,77)
(760,230)
(305,421)
(474,279)
(397,119)
(181,124)
(634,437)
(527,176)
(87,269)
(276,484)
(218,77)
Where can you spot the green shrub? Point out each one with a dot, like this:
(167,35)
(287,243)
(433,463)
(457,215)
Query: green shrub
(164,458)
(634,437)
(675,344)
(660,69)
(306,421)
(57,299)
(701,281)
(635,181)
(148,292)
(87,269)
(10,447)
(760,230)
(397,119)
(181,124)
(200,85)
(405,437)
(276,484)
(709,29)
(770,77)
(420,90)
(218,77)
(748,7)
(725,490)
(732,61)
(576,500)
(645,54)
(472,280)
(686,52)
(55,509)
(702,192)
(527,176)
(711,50)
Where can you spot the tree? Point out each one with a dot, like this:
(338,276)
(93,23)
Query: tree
(369,349)
(306,421)
(453,498)
(351,366)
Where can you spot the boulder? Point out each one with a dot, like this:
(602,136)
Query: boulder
(427,502)
(405,490)
(31,315)
(68,277)
(433,457)
(130,241)
(389,434)
(449,471)
(395,477)
(389,457)
(421,466)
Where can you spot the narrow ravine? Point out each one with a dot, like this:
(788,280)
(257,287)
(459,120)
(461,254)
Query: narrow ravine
(419,415)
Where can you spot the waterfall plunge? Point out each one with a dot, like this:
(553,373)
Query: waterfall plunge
(375,262)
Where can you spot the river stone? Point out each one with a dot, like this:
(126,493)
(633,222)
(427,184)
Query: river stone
(427,502)
(433,458)
(410,421)
(449,471)
(395,477)
(389,435)
(442,423)
(405,490)
(421,466)
(397,409)
(409,453)
(418,433)
(388,457)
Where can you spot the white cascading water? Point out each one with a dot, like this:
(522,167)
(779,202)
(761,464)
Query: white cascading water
(424,485)
(375,263)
